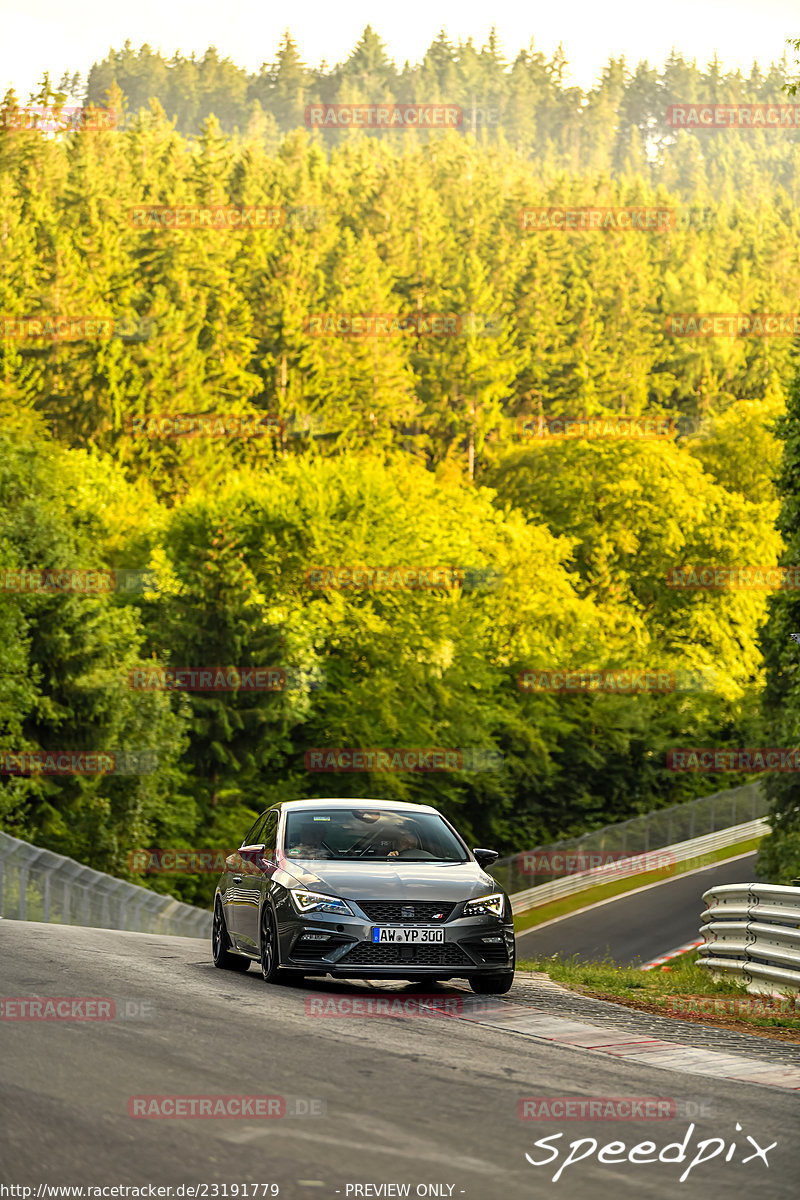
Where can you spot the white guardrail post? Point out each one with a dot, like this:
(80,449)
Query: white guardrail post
(39,885)
(752,933)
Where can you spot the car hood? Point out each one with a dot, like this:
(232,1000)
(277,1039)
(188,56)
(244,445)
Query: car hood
(390,881)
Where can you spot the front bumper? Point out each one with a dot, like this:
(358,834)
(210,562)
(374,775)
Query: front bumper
(343,946)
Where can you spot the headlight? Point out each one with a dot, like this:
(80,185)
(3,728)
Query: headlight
(491,905)
(306,902)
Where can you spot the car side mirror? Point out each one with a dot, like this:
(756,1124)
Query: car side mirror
(253,857)
(485,858)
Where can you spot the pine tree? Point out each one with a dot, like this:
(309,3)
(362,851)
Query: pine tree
(283,88)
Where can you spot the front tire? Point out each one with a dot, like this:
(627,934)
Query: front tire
(220,944)
(268,946)
(496,985)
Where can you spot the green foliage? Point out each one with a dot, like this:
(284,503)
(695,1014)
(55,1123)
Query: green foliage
(615,126)
(389,451)
(780,851)
(66,661)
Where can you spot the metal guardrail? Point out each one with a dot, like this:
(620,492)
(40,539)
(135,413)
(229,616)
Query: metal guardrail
(751,933)
(39,885)
(663,827)
(624,868)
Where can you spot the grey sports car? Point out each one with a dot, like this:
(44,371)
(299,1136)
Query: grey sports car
(367,889)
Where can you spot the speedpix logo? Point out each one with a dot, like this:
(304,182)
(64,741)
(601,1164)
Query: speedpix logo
(616,1153)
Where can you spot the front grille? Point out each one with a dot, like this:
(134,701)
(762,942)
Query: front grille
(441,954)
(390,911)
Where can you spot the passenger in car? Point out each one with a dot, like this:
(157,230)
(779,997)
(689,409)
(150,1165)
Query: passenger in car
(310,846)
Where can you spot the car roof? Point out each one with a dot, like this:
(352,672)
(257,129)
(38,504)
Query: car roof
(355,802)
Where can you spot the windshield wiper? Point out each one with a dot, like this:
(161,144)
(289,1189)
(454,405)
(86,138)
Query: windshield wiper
(396,858)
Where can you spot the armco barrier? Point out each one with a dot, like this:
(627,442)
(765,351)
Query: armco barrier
(680,852)
(752,933)
(661,828)
(39,885)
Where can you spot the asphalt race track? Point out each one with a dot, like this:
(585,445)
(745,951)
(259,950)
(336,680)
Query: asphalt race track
(631,930)
(402,1100)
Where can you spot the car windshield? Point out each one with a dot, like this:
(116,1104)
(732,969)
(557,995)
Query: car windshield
(370,835)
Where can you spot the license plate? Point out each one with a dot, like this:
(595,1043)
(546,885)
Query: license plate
(406,934)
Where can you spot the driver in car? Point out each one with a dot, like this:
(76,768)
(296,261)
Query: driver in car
(404,841)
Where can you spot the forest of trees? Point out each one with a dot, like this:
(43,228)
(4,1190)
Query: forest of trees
(617,126)
(386,450)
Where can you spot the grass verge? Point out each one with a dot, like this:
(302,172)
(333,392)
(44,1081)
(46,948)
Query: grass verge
(674,992)
(618,887)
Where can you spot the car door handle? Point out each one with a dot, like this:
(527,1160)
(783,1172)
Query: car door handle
(238,878)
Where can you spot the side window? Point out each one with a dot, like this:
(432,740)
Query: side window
(269,834)
(251,838)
